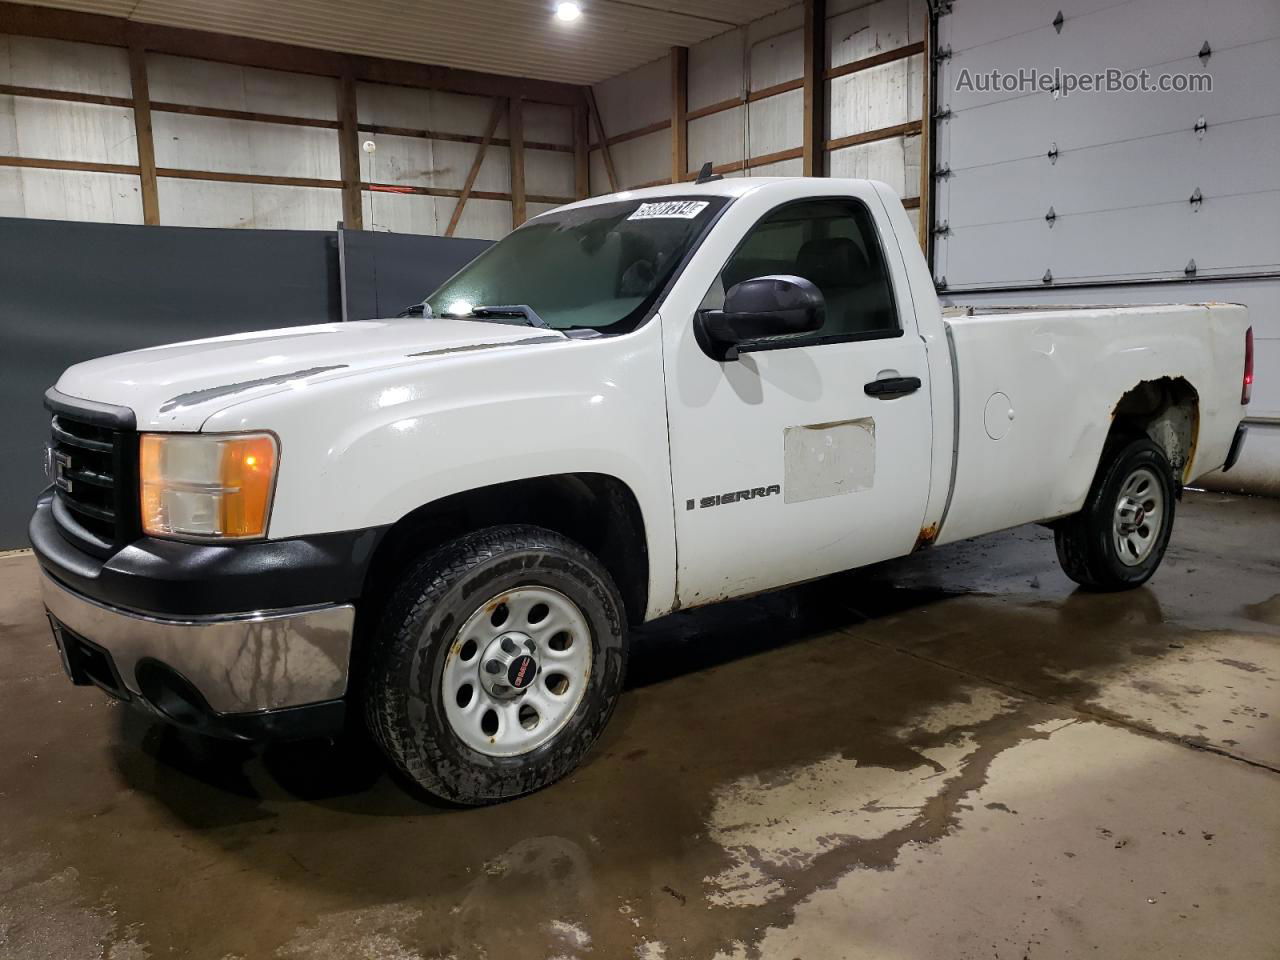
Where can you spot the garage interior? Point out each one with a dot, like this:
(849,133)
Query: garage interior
(956,754)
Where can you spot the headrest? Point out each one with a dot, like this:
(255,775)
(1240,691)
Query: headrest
(833,262)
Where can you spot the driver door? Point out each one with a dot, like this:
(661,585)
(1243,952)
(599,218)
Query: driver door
(786,464)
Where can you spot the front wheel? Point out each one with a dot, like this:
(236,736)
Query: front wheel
(497,664)
(1118,539)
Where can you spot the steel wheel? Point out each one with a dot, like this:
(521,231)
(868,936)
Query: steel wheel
(516,671)
(1139,515)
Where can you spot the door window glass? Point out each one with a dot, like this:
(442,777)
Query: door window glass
(831,243)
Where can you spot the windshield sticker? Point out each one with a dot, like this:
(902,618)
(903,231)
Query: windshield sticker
(669,209)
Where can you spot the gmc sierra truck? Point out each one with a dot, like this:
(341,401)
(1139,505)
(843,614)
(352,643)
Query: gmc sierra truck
(442,524)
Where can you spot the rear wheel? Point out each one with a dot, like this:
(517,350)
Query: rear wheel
(497,664)
(1118,539)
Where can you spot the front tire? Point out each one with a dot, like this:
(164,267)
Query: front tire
(497,663)
(1118,539)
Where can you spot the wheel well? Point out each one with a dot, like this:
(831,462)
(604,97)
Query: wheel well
(1166,410)
(596,510)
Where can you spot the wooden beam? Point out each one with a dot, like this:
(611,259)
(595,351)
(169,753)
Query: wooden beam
(581,152)
(679,112)
(38,21)
(457,194)
(177,173)
(495,117)
(926,136)
(200,111)
(875,60)
(761,160)
(421,134)
(141,94)
(869,136)
(40,93)
(720,107)
(349,154)
(515,131)
(655,127)
(815,101)
(41,163)
(604,141)
(772,91)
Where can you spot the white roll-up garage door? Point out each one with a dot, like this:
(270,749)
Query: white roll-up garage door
(1124,196)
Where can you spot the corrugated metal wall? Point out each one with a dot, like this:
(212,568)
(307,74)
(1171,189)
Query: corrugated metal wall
(425,141)
(745,105)
(1119,170)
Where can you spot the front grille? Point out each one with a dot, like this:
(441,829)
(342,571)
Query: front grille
(94,470)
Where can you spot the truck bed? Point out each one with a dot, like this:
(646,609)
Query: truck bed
(1037,388)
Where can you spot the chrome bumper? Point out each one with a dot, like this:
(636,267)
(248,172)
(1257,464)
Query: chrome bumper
(239,664)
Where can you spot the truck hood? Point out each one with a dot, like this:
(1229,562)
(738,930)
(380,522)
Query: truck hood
(179,386)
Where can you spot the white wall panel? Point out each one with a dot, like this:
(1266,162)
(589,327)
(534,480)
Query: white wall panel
(201,203)
(882,96)
(406,161)
(61,65)
(534,209)
(636,99)
(719,138)
(777,59)
(783,168)
(871,28)
(230,87)
(245,146)
(775,123)
(405,212)
(775,24)
(481,219)
(70,195)
(894,161)
(716,69)
(643,159)
(460,113)
(384,105)
(59,130)
(548,123)
(549,172)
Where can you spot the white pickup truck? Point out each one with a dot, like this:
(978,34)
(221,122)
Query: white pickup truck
(442,523)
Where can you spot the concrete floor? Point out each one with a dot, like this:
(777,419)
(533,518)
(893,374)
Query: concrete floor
(950,756)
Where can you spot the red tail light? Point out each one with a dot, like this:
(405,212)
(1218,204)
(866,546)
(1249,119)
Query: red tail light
(1246,389)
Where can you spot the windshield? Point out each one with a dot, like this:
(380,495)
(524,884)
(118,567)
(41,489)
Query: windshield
(599,266)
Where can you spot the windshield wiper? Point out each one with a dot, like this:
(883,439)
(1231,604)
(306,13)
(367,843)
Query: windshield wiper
(505,314)
(422,309)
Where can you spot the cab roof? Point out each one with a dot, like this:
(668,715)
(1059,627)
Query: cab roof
(726,187)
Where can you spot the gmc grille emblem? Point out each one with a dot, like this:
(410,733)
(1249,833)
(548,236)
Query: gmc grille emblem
(61,464)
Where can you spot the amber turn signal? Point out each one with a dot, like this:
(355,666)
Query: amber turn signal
(207,486)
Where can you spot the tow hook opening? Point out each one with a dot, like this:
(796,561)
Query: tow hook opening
(173,695)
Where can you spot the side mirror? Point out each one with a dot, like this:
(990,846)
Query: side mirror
(774,306)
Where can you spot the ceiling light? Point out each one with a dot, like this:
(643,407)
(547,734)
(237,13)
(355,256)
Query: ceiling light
(568,11)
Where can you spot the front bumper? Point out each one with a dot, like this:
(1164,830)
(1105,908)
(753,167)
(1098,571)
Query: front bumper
(234,665)
(250,641)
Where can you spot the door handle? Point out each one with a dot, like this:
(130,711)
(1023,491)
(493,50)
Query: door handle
(891,388)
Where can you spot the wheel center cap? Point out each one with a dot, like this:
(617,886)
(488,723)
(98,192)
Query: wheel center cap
(509,665)
(521,671)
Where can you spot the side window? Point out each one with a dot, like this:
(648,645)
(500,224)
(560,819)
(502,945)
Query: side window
(831,243)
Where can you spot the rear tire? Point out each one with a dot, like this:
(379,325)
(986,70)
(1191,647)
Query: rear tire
(1119,537)
(496,665)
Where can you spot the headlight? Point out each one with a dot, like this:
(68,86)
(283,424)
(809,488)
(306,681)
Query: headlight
(207,486)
